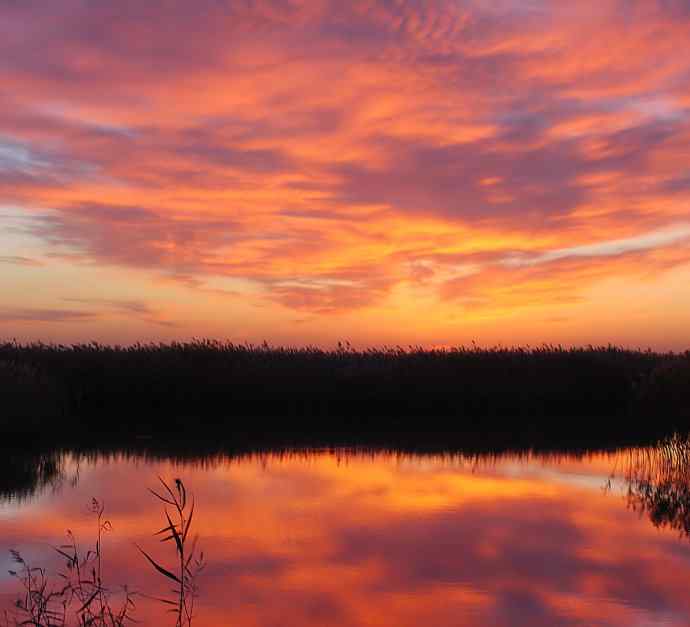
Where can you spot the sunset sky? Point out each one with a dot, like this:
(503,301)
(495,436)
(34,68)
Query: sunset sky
(380,171)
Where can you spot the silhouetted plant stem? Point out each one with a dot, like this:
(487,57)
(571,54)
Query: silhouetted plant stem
(83,599)
(189,564)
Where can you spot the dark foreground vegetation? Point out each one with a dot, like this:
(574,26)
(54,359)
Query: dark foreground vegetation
(209,386)
(80,596)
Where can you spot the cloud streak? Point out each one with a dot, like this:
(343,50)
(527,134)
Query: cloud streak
(644,242)
(20,261)
(45,315)
(131,308)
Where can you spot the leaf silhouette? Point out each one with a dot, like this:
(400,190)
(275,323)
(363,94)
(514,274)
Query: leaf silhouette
(158,567)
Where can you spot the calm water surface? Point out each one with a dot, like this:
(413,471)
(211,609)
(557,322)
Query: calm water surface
(343,538)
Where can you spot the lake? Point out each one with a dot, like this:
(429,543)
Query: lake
(349,537)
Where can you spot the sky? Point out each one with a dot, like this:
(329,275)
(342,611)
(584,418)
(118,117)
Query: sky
(311,171)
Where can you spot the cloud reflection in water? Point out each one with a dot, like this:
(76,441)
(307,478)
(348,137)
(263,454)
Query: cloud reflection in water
(379,539)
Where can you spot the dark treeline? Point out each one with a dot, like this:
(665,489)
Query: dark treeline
(216,386)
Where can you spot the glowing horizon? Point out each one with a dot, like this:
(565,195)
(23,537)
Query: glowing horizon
(307,171)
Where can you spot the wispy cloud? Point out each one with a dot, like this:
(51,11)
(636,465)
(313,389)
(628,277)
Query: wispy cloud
(647,241)
(45,315)
(20,261)
(135,308)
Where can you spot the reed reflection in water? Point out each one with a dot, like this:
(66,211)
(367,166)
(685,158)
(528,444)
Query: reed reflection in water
(659,484)
(378,538)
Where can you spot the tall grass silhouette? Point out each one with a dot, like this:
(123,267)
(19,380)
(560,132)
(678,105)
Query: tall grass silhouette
(189,563)
(79,596)
(54,389)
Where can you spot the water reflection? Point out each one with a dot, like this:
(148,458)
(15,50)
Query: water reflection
(352,537)
(659,484)
(23,475)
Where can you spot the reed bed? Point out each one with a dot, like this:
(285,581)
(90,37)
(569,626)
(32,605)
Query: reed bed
(206,385)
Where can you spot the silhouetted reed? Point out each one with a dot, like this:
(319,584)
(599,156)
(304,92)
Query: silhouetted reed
(190,564)
(79,596)
(224,386)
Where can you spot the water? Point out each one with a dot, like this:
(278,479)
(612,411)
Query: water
(346,538)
